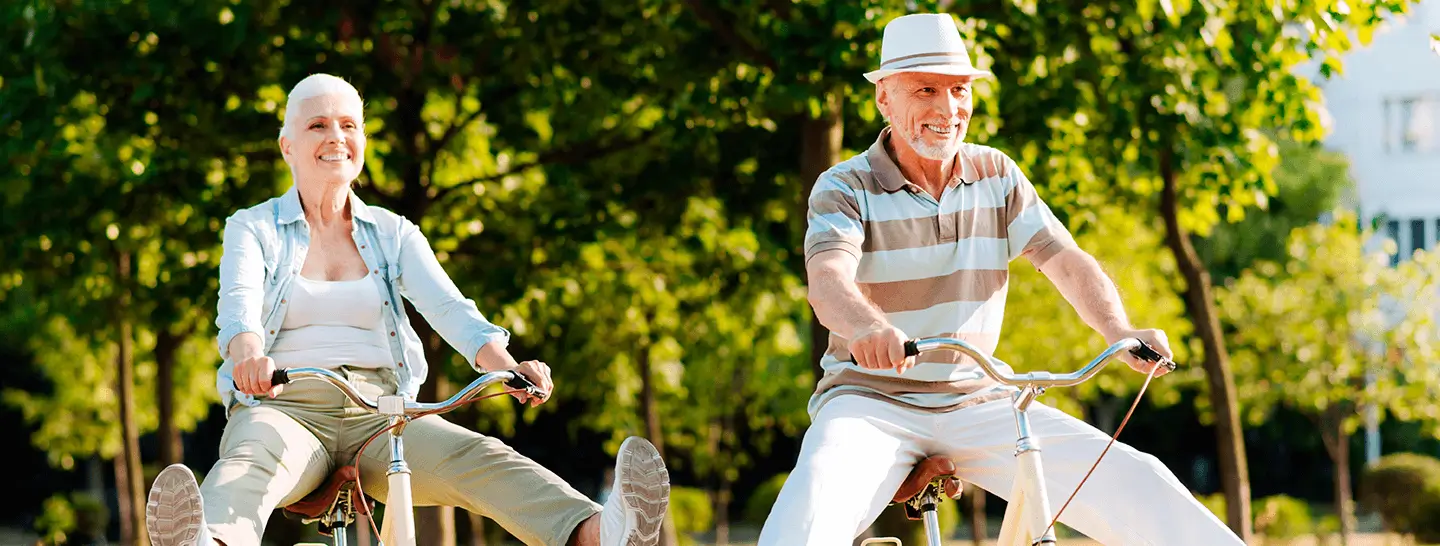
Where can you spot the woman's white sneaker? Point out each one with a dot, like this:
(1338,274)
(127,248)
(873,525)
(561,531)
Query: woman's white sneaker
(174,513)
(638,498)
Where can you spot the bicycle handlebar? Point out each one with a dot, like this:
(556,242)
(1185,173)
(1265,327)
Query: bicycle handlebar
(510,378)
(1038,379)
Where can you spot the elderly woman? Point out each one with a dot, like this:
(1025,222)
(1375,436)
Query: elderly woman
(314,278)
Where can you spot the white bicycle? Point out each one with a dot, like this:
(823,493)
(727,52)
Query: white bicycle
(1028,520)
(335,504)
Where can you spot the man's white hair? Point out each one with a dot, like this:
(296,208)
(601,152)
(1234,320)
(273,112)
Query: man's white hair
(314,85)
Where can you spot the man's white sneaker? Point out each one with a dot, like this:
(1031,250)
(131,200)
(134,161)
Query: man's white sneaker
(174,514)
(638,497)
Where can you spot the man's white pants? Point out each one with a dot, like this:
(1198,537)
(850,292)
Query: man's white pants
(859,449)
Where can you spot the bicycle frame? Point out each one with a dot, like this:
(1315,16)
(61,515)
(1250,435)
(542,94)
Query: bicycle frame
(1028,514)
(398,528)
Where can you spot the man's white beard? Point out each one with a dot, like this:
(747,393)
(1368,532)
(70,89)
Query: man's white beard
(938,152)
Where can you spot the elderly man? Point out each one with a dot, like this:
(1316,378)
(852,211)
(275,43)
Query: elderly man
(912,238)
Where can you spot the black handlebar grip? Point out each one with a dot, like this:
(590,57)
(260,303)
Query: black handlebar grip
(911,349)
(1144,352)
(519,382)
(280,377)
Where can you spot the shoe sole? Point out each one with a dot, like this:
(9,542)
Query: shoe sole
(173,513)
(644,486)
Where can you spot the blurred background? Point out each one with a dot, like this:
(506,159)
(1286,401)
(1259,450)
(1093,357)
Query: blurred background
(622,184)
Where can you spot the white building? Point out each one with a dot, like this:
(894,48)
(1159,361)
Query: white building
(1385,115)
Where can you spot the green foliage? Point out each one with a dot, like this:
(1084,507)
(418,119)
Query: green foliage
(1215,502)
(1043,332)
(56,521)
(615,182)
(1314,354)
(757,507)
(1276,516)
(893,522)
(704,309)
(1283,517)
(103,167)
(692,510)
(78,517)
(1309,180)
(1404,488)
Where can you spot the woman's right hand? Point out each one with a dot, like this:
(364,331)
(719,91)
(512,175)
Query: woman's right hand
(252,376)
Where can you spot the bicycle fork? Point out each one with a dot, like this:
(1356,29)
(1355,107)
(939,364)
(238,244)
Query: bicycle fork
(1028,511)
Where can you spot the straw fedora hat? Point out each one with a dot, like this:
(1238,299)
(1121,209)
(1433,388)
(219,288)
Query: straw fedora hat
(923,42)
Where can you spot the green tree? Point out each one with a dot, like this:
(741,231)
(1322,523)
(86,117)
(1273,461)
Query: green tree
(683,336)
(1334,330)
(1309,182)
(113,209)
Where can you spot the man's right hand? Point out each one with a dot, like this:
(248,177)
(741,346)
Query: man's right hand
(252,377)
(881,347)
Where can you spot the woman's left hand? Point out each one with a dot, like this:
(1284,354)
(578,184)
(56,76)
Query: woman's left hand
(538,373)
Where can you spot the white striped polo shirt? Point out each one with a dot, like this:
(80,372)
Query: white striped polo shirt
(933,267)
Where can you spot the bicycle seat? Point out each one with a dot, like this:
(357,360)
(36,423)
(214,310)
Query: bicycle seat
(320,501)
(926,471)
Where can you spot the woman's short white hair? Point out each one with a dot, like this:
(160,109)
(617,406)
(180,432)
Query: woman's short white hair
(314,85)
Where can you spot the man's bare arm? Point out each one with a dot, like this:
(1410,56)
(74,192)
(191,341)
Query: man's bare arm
(837,300)
(1089,290)
(843,309)
(1093,295)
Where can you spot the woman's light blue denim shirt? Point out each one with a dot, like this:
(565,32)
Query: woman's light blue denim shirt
(265,247)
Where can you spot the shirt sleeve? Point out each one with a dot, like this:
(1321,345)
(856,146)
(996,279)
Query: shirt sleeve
(242,284)
(426,285)
(1033,230)
(834,217)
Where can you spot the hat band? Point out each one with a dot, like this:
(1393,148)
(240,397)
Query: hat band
(935,58)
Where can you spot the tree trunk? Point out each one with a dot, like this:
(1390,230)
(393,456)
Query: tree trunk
(820,140)
(477,529)
(722,513)
(649,407)
(977,515)
(1234,472)
(433,524)
(122,499)
(1337,443)
(650,411)
(166,345)
(129,486)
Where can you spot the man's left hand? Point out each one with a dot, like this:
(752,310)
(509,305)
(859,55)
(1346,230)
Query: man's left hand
(1155,339)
